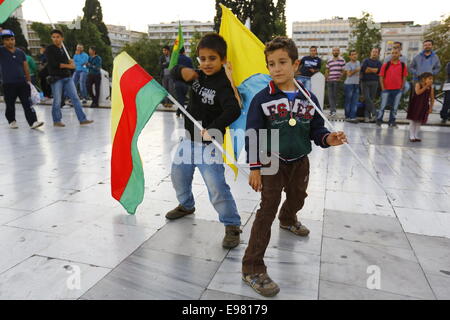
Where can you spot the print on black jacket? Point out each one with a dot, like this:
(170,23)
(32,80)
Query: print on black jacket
(212,101)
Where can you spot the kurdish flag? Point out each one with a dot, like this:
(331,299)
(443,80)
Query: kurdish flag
(135,96)
(7,7)
(179,43)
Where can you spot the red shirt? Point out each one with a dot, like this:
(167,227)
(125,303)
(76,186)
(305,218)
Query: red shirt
(393,79)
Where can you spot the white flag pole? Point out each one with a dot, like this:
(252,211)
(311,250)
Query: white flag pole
(53,26)
(378,181)
(214,141)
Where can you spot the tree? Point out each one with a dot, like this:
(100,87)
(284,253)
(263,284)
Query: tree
(280,18)
(267,20)
(93,13)
(366,34)
(88,35)
(13,24)
(440,34)
(146,52)
(194,43)
(241,8)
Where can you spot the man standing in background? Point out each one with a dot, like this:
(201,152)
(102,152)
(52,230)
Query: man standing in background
(426,61)
(80,75)
(352,70)
(43,73)
(333,75)
(181,87)
(164,62)
(95,75)
(369,83)
(309,66)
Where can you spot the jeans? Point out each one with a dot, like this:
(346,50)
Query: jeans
(66,86)
(391,97)
(351,100)
(445,114)
(94,80)
(306,81)
(181,89)
(213,174)
(369,90)
(333,87)
(23,91)
(79,78)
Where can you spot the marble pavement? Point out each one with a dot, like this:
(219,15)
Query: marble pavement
(62,236)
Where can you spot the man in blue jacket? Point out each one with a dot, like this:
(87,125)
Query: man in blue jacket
(426,61)
(80,75)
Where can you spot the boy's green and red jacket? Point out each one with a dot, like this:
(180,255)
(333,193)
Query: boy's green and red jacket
(270,109)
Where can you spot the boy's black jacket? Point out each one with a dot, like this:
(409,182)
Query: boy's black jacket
(212,101)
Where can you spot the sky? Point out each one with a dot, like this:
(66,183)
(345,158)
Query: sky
(137,14)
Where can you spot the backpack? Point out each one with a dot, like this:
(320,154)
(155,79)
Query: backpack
(389,64)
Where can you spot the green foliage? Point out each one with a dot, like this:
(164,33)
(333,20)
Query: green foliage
(146,52)
(267,20)
(88,35)
(280,18)
(93,13)
(13,24)
(440,34)
(194,42)
(367,35)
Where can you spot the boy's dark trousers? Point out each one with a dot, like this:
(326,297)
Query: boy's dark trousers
(23,91)
(94,79)
(293,179)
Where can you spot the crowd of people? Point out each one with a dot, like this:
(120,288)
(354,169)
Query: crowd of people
(57,76)
(364,80)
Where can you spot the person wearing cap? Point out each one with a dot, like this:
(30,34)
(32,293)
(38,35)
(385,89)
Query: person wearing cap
(16,81)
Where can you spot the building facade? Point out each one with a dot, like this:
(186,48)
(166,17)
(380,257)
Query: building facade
(121,36)
(411,36)
(324,34)
(167,32)
(336,32)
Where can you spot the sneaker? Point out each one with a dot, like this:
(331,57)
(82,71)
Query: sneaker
(332,114)
(297,229)
(13,125)
(86,122)
(179,212)
(37,124)
(59,124)
(232,237)
(393,125)
(84,101)
(262,284)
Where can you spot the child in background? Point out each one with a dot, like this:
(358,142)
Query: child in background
(420,105)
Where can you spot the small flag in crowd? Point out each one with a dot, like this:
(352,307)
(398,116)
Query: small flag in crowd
(135,96)
(179,43)
(7,7)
